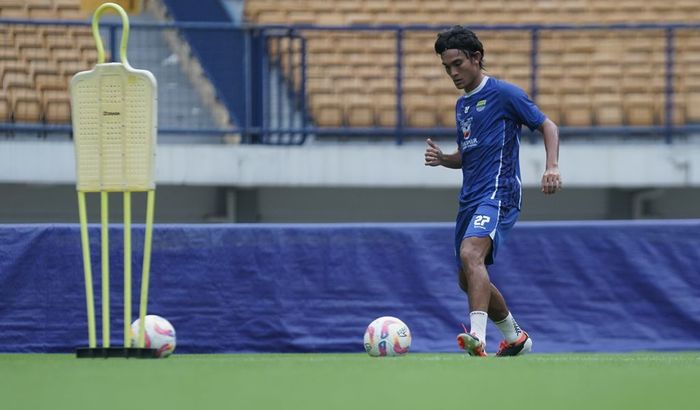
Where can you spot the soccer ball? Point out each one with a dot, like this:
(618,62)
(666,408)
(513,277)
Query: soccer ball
(160,335)
(387,336)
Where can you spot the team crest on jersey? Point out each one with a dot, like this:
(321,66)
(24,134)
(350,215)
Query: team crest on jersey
(466,127)
(480,105)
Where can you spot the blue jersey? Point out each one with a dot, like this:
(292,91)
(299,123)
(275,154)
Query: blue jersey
(489,119)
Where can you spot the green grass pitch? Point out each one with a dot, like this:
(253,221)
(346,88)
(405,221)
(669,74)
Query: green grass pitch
(352,381)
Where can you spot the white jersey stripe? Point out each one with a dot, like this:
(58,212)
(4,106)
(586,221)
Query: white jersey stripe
(500,161)
(520,183)
(492,234)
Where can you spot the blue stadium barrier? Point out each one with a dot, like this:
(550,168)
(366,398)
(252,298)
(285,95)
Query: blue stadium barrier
(575,286)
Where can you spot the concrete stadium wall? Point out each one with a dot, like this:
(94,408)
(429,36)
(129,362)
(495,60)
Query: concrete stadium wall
(48,203)
(625,165)
(357,182)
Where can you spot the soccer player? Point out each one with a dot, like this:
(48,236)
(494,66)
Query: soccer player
(489,117)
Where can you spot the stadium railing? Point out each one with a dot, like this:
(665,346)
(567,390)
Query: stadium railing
(260,74)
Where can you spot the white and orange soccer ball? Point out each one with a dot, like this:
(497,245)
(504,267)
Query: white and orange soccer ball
(387,336)
(160,335)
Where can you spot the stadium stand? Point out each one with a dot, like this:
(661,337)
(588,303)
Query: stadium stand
(599,77)
(192,68)
(37,62)
(591,77)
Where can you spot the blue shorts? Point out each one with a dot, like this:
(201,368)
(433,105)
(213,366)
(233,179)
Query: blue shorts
(487,219)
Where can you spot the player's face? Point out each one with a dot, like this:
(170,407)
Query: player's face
(464,72)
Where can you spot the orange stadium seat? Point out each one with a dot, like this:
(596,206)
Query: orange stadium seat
(359,110)
(56,109)
(599,77)
(607,109)
(692,105)
(550,105)
(8,53)
(445,111)
(584,77)
(13,9)
(326,109)
(36,62)
(420,111)
(5,109)
(576,110)
(638,108)
(386,109)
(41,9)
(69,10)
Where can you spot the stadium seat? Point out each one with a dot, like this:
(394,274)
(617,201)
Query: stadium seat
(5,109)
(692,107)
(326,110)
(41,9)
(360,110)
(576,110)
(607,109)
(638,109)
(13,9)
(420,111)
(37,61)
(8,53)
(550,105)
(37,70)
(57,109)
(445,111)
(69,10)
(581,74)
(577,69)
(679,109)
(385,109)
(25,103)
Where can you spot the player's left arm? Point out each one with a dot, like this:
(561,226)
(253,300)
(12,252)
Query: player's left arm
(524,110)
(551,180)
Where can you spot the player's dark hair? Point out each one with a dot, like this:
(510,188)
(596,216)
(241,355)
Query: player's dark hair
(460,38)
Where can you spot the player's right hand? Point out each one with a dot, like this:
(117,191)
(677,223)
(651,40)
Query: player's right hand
(433,154)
